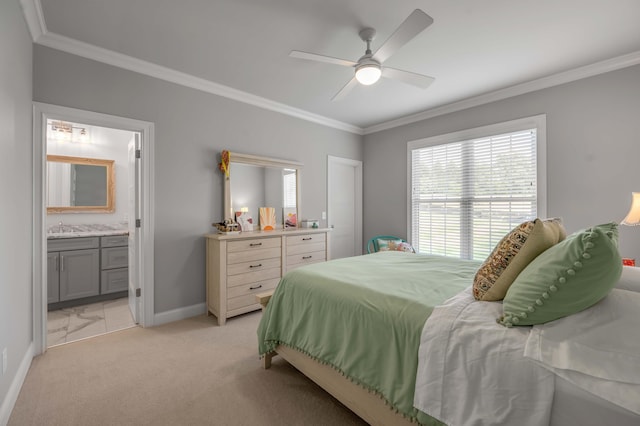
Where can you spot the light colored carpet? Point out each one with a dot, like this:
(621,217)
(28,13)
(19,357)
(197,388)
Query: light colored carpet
(189,372)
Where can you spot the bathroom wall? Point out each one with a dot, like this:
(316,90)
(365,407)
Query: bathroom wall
(105,144)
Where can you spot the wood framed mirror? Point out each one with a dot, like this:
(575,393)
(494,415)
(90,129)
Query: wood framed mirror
(80,185)
(254,181)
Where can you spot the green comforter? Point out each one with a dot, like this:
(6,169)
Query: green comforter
(364,316)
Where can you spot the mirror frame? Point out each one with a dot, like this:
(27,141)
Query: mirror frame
(110,207)
(257,160)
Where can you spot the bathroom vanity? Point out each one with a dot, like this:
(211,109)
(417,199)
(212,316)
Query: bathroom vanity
(86,264)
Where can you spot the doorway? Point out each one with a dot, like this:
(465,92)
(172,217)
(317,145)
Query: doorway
(134,192)
(344,206)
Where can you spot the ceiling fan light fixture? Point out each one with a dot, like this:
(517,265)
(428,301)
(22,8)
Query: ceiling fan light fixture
(368,73)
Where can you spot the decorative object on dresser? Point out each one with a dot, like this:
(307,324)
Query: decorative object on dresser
(243,265)
(267,218)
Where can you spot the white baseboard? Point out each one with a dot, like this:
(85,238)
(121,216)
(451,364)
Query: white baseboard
(14,390)
(179,314)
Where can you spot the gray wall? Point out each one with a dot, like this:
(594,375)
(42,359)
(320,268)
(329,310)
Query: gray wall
(15,192)
(593,147)
(191,129)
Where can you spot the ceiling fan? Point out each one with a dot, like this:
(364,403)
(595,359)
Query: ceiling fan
(369,68)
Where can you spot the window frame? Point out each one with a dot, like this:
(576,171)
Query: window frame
(539,122)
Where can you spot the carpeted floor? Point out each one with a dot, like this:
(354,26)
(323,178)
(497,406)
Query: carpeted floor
(189,372)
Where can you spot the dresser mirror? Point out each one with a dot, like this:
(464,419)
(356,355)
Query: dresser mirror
(255,182)
(80,185)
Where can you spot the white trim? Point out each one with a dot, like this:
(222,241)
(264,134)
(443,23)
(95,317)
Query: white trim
(357,165)
(42,112)
(180,313)
(519,89)
(537,121)
(16,384)
(120,60)
(32,11)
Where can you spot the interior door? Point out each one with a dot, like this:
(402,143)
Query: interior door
(135,300)
(344,207)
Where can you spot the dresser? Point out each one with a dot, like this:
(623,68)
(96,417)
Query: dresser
(241,265)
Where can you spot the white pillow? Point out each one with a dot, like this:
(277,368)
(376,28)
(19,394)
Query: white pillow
(630,279)
(597,349)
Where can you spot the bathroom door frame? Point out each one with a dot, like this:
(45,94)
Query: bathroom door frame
(41,113)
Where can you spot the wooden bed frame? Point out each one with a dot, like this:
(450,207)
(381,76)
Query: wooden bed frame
(369,406)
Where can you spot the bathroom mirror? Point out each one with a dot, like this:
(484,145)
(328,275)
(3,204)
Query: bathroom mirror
(255,182)
(80,185)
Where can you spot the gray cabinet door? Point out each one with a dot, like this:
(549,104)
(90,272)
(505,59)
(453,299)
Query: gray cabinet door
(79,274)
(53,281)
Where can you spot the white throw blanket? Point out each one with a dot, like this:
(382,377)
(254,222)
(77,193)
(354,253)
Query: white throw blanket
(597,350)
(471,370)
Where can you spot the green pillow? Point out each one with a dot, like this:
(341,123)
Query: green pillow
(566,278)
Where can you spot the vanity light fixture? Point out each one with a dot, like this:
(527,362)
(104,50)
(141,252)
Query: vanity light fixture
(67,131)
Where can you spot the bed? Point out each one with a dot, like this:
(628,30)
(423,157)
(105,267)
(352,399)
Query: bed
(356,327)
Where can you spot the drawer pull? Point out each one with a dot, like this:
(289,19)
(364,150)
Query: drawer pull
(254,244)
(307,239)
(255,287)
(255,266)
(307,257)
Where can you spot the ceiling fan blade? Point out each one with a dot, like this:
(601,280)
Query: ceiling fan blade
(322,58)
(417,22)
(345,90)
(419,80)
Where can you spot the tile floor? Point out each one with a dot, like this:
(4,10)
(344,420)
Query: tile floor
(71,324)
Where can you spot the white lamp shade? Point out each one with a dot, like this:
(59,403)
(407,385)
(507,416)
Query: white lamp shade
(368,74)
(633,217)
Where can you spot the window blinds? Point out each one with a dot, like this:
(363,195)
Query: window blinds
(289,185)
(465,196)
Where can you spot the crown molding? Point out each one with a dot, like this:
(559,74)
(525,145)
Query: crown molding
(32,11)
(519,89)
(120,60)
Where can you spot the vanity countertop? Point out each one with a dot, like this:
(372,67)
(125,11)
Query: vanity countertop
(76,231)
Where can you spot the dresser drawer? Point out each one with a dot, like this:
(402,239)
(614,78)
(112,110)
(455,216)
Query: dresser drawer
(253,255)
(115,257)
(305,239)
(252,288)
(305,248)
(252,277)
(256,265)
(248,296)
(312,257)
(253,244)
(114,241)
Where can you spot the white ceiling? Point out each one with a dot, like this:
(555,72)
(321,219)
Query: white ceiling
(474,49)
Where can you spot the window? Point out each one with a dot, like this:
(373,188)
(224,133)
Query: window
(468,189)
